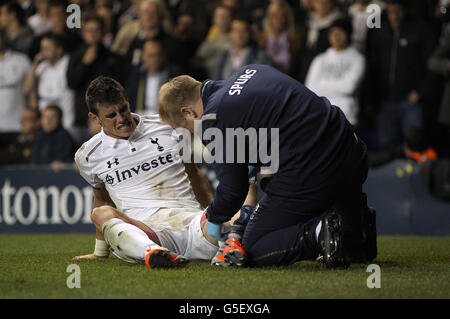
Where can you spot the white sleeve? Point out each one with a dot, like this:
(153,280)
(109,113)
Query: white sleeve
(312,74)
(313,77)
(85,168)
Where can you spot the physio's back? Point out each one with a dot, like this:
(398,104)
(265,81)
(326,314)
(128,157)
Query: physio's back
(312,133)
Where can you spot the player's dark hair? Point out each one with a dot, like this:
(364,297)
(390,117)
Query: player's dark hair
(14,6)
(103,90)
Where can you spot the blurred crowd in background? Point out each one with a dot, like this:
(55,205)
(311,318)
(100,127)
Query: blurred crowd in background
(389,73)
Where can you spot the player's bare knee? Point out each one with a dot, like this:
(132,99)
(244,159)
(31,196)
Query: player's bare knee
(102,214)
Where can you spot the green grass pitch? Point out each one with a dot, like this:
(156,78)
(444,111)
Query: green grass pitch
(35,266)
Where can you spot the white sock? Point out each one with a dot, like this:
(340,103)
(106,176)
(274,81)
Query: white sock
(128,242)
(318,228)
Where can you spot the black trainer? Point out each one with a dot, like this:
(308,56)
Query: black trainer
(331,242)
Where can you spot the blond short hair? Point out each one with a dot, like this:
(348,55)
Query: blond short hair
(179,91)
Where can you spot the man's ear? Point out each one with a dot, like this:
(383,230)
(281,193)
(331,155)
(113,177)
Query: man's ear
(188,112)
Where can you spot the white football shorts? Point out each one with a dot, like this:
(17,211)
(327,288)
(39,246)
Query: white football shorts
(179,230)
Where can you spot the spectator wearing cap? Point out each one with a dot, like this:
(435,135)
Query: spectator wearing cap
(397,76)
(338,72)
(18,34)
(243,51)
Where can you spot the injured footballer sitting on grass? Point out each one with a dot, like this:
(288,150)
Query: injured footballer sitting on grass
(147,202)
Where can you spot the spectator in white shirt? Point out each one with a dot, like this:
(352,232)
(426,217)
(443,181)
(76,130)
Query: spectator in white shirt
(338,72)
(48,79)
(14,67)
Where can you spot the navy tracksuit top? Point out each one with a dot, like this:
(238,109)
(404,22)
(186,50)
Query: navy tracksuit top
(316,142)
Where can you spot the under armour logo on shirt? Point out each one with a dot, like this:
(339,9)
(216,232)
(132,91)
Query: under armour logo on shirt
(155,141)
(116,161)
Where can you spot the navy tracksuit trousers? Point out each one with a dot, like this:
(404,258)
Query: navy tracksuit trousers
(282,230)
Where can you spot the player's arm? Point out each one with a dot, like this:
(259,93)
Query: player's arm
(200,184)
(101,198)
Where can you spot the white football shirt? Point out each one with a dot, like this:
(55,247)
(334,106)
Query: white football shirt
(141,174)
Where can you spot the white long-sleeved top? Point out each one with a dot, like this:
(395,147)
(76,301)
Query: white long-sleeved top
(337,75)
(14,67)
(53,89)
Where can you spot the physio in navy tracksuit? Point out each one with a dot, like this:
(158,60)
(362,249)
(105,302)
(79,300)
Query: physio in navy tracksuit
(318,164)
